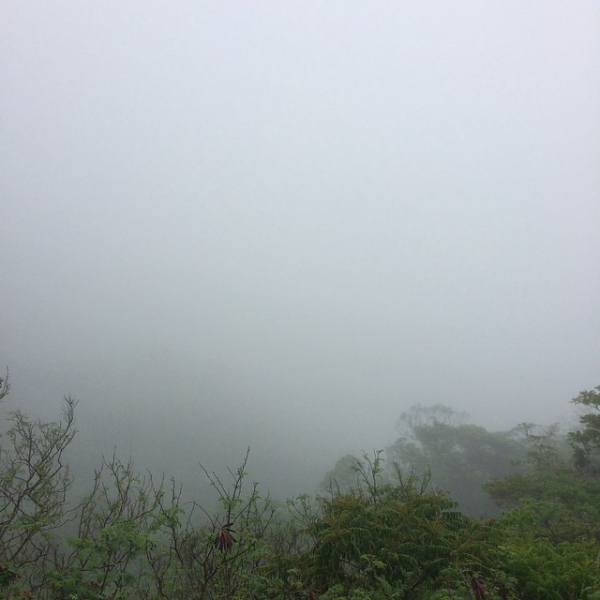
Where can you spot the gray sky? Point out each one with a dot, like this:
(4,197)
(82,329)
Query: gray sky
(292,221)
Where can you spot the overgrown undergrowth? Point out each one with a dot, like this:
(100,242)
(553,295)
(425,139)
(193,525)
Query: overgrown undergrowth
(131,537)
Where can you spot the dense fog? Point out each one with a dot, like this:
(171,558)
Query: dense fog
(279,225)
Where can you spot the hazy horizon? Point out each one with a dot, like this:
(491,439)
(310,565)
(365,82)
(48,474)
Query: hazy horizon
(280,225)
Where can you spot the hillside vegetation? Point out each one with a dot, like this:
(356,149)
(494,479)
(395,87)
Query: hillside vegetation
(524,523)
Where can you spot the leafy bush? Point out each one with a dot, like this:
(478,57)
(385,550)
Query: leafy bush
(385,535)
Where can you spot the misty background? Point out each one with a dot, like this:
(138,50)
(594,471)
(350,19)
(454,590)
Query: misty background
(280,225)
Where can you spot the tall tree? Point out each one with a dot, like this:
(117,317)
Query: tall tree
(586,440)
(460,456)
(557,495)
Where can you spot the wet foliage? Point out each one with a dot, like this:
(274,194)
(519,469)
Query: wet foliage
(387,533)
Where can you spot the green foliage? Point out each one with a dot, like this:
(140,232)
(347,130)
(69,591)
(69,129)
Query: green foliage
(553,530)
(460,457)
(396,539)
(34,481)
(117,522)
(562,506)
(586,441)
(560,500)
(386,535)
(544,571)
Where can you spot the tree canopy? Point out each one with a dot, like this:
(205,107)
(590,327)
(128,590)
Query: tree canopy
(379,531)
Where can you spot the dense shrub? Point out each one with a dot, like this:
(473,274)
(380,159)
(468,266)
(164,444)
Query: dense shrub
(381,537)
